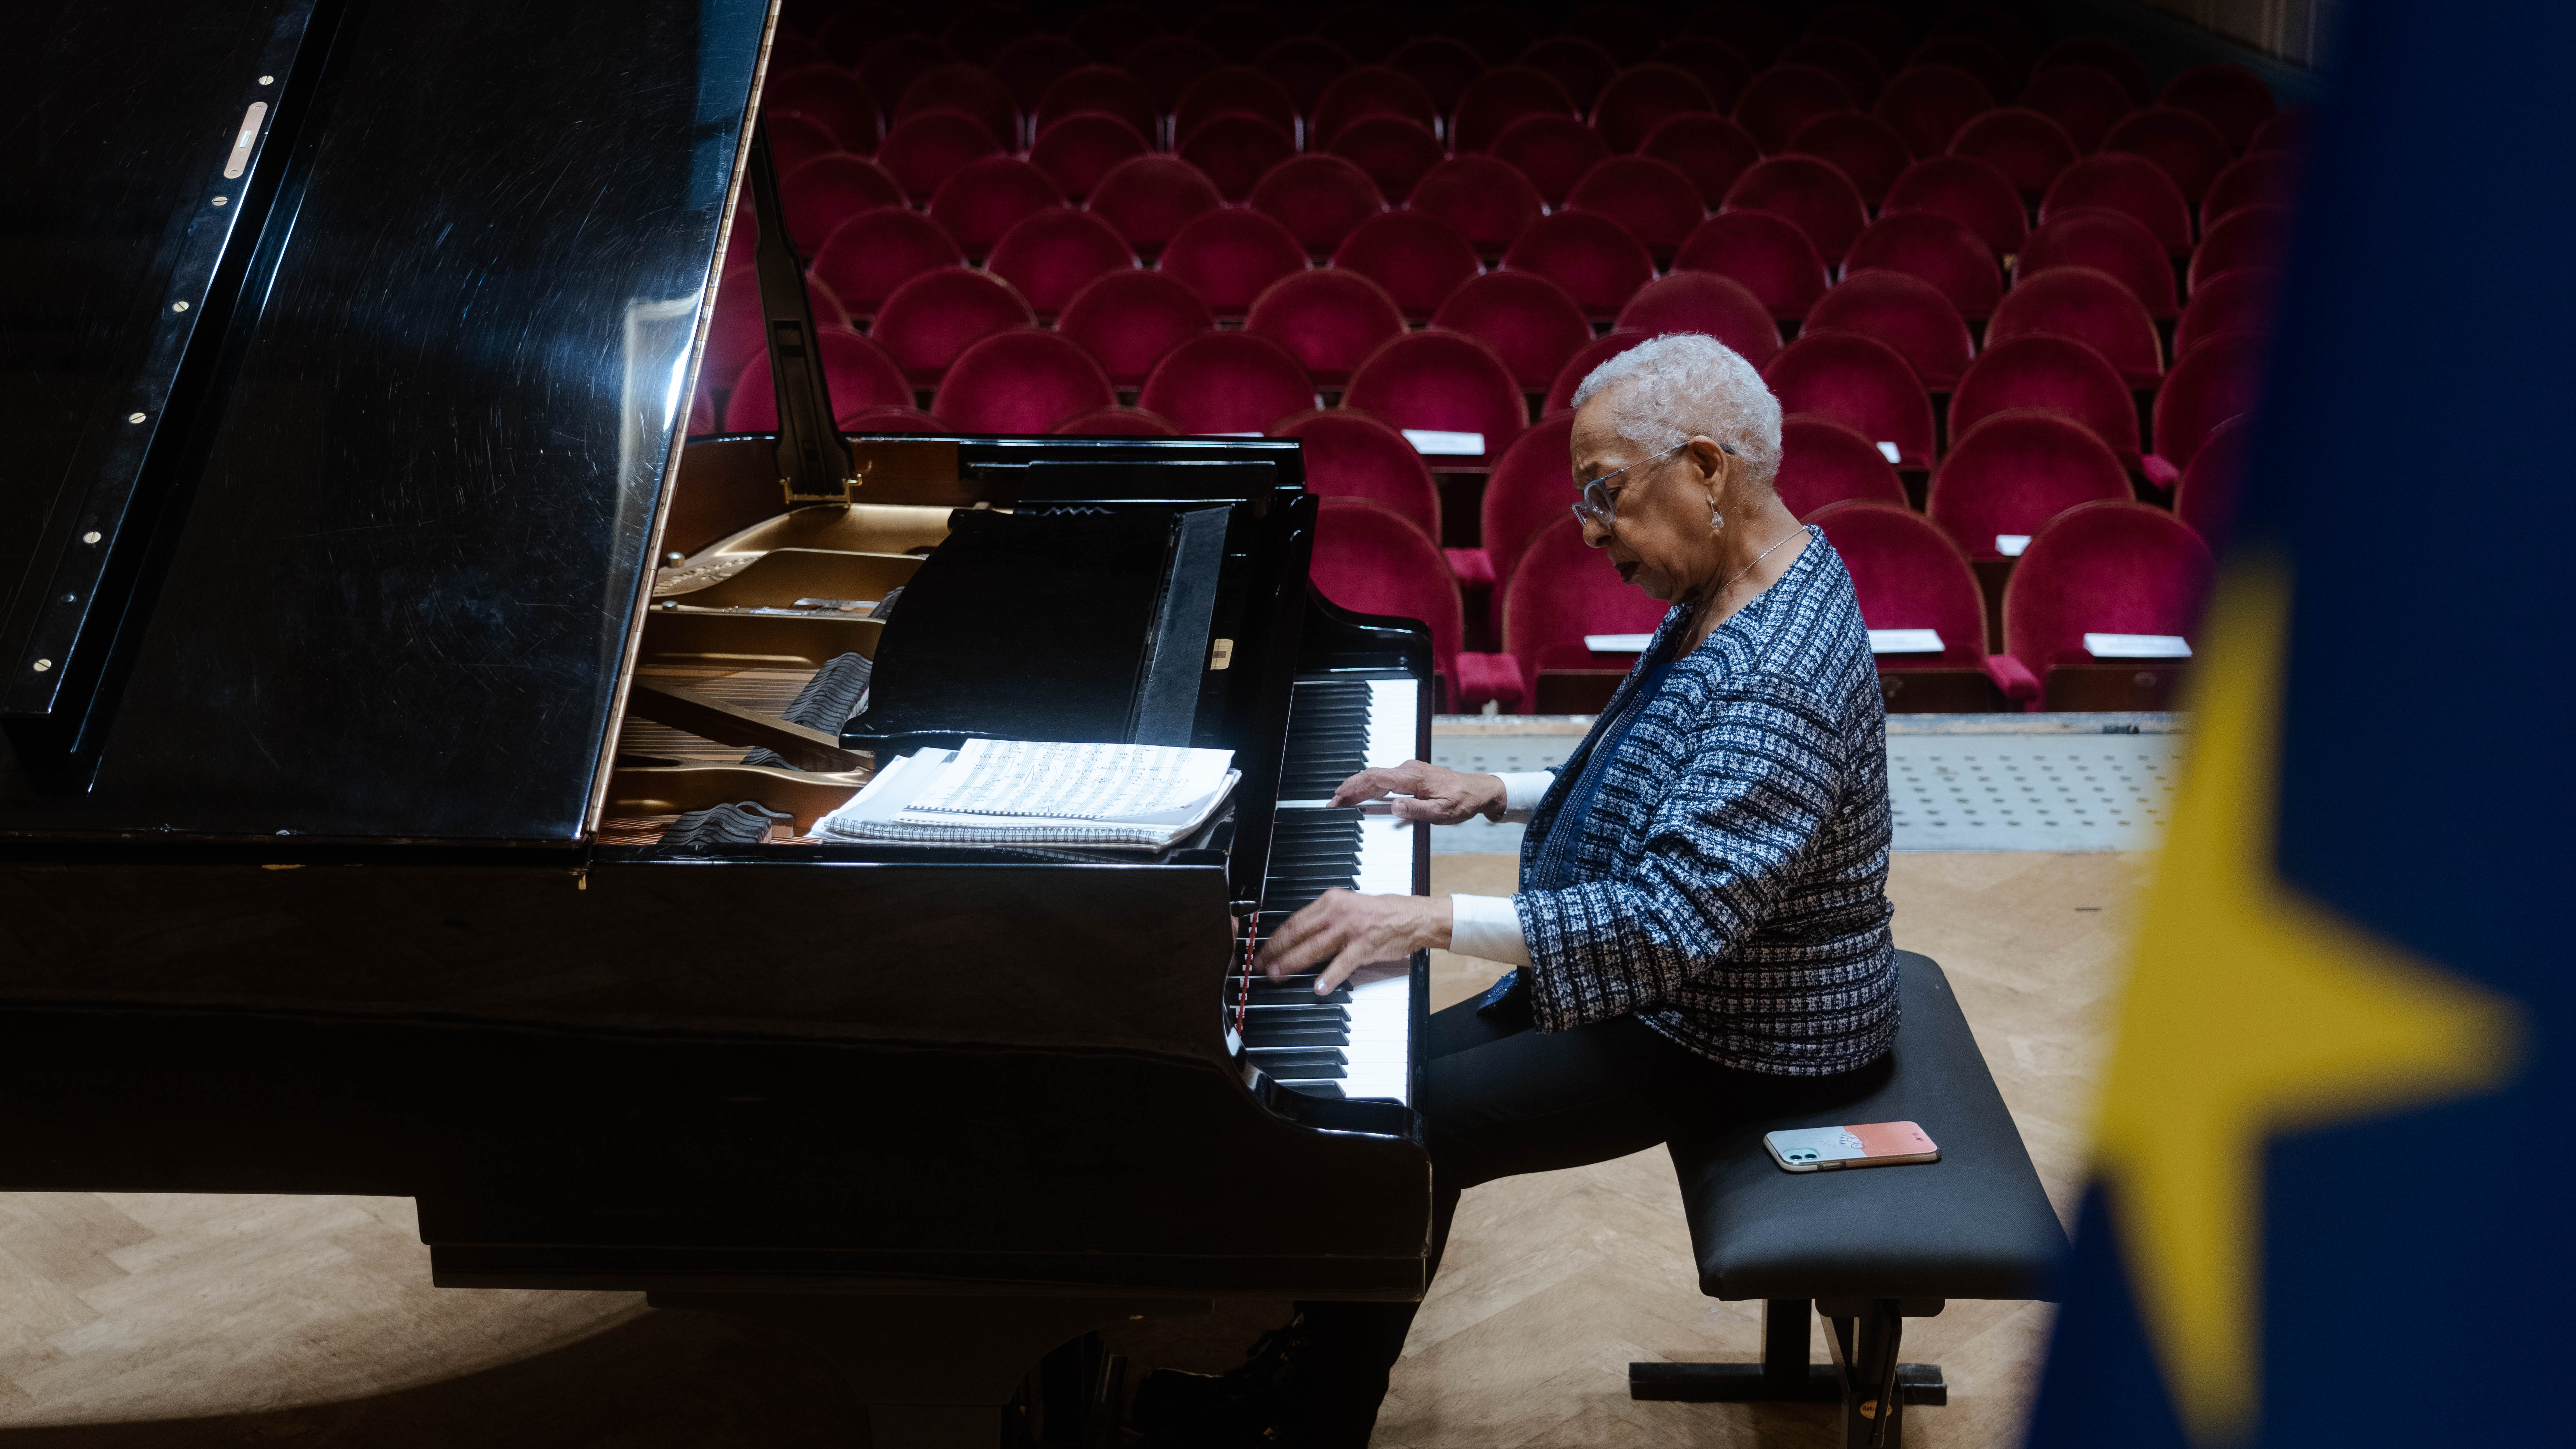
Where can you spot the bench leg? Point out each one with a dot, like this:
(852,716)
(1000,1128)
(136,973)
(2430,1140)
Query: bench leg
(1864,1340)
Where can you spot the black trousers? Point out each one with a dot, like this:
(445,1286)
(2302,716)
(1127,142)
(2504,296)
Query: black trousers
(1500,1098)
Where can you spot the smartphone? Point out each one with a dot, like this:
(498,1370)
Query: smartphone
(1830,1149)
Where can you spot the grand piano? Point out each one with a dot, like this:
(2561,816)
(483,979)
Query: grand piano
(368,625)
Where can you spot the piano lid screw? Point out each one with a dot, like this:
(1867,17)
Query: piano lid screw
(43,664)
(134,417)
(219,201)
(268,80)
(178,306)
(90,537)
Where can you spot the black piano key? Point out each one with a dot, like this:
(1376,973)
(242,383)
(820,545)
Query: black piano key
(1304,1014)
(1297,1064)
(1256,1036)
(1316,1089)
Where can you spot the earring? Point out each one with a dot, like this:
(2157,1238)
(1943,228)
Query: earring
(1716,520)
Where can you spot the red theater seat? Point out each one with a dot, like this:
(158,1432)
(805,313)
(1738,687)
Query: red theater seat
(1711,150)
(2239,301)
(1822,462)
(2189,149)
(1168,65)
(1705,302)
(2094,308)
(930,319)
(858,373)
(2030,149)
(1117,423)
(1150,198)
(1021,382)
(1128,320)
(1653,199)
(2106,55)
(1352,455)
(1970,192)
(1644,97)
(1368,559)
(1719,68)
(1927,104)
(1865,149)
(1054,254)
(2220,378)
(1319,198)
(1965,52)
(1501,96)
(1236,152)
(829,97)
(1235,90)
(1560,590)
(2107,241)
(1441,382)
(1305,67)
(1529,489)
(1228,257)
(1395,151)
(1784,98)
(1330,319)
(2258,178)
(897,421)
(1768,254)
(1105,89)
(1370,90)
(1862,74)
(818,196)
(1029,64)
(1488,202)
(2206,496)
(1441,66)
(2087,100)
(871,254)
(794,140)
(1812,194)
(2014,471)
(2131,185)
(2249,236)
(1560,393)
(2229,97)
(1908,314)
(1227,382)
(2110,568)
(1935,249)
(1419,259)
(1076,151)
(1529,321)
(1580,66)
(983,199)
(1590,256)
(1861,383)
(1109,33)
(1907,574)
(968,90)
(1554,152)
(2041,370)
(926,149)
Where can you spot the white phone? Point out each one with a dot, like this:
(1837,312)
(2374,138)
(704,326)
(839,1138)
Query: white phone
(1830,1149)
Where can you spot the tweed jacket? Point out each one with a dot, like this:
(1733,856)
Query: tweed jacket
(1729,886)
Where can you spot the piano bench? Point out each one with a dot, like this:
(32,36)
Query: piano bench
(1872,1247)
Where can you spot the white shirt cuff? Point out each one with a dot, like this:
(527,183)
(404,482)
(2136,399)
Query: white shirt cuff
(1487,927)
(1522,790)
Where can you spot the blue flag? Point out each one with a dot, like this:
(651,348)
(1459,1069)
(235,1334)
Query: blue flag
(2329,1201)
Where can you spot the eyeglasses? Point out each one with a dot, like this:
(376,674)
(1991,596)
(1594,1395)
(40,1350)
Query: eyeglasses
(1600,501)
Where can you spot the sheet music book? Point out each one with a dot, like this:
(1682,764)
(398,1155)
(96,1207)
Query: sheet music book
(1019,792)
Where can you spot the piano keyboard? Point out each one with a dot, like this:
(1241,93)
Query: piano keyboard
(1356,1042)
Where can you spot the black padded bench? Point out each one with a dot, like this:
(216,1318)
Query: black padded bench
(1868,1248)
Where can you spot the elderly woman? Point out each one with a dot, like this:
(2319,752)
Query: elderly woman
(1701,931)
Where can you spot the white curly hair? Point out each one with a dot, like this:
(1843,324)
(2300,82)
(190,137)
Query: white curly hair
(1688,384)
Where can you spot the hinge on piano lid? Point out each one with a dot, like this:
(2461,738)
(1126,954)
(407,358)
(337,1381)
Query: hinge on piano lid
(896,470)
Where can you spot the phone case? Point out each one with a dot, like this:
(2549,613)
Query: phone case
(1830,1149)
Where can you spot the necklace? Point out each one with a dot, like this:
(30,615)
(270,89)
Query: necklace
(1711,601)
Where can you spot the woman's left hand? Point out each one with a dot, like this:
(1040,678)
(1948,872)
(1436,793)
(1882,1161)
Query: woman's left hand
(1344,931)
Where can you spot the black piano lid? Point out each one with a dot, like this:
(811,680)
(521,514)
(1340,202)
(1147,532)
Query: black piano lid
(408,521)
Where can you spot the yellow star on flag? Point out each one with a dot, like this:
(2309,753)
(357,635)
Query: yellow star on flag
(2251,1010)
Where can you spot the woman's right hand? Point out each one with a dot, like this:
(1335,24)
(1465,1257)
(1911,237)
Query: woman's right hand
(1438,796)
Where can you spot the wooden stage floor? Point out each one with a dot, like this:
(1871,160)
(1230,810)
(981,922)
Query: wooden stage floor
(140,1321)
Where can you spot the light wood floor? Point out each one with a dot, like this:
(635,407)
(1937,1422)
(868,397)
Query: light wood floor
(132,1320)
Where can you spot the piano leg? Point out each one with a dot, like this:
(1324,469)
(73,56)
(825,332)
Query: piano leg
(933,1372)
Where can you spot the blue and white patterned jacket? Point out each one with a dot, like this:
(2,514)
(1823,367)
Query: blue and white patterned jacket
(1729,888)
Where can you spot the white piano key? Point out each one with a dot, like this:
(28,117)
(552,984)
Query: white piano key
(1392,716)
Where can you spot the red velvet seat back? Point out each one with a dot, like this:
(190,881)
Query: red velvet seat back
(2106,568)
(1860,382)
(1418,258)
(1488,202)
(986,198)
(1054,254)
(1809,193)
(1230,257)
(2016,470)
(1591,257)
(1719,67)
(2206,496)
(1577,64)
(1227,382)
(818,196)
(1395,151)
(1529,321)
(1972,192)
(1304,65)
(858,372)
(1102,88)
(1935,249)
(1908,314)
(1653,199)
(1927,104)
(1560,393)
(927,321)
(1711,150)
(1319,198)
(1168,65)
(2249,236)
(1117,423)
(1907,574)
(2030,149)
(926,149)
(2237,301)
(2091,306)
(1822,462)
(896,422)
(794,140)
(1232,90)
(871,254)
(1494,100)
(1352,455)
(1236,151)
(2219,378)
(1767,254)
(1370,90)
(1865,149)
(2131,185)
(828,96)
(1077,150)
(1531,487)
(1704,302)
(1552,151)
(1021,382)
(2107,241)
(1026,66)
(2258,178)
(1643,97)
(1148,198)
(1443,67)
(1127,320)
(1444,382)
(739,332)
(1999,74)
(2106,55)
(2042,370)
(1369,559)
(968,90)
(2086,99)
(1330,319)
(1561,589)
(2189,149)
(1785,97)
(1863,75)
